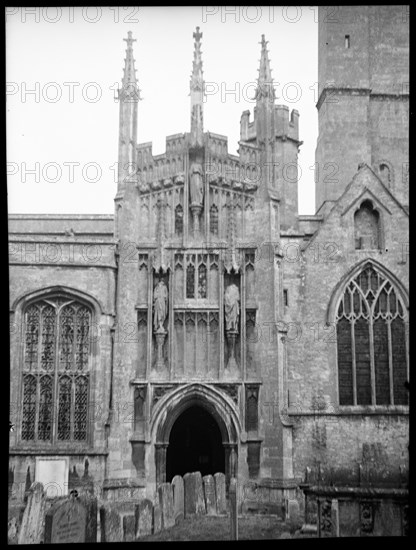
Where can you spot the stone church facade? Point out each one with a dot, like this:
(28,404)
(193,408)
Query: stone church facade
(207,325)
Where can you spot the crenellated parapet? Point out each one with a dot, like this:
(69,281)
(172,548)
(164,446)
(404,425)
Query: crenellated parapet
(285,125)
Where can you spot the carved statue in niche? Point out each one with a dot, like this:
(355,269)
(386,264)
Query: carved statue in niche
(196,187)
(232,307)
(160,306)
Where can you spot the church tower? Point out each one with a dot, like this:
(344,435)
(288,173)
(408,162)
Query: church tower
(363,98)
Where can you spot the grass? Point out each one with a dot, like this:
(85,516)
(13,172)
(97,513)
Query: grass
(218,528)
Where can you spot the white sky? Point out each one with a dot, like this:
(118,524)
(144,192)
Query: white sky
(85,46)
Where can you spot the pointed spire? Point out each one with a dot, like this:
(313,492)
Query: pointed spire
(265,81)
(130,85)
(197,92)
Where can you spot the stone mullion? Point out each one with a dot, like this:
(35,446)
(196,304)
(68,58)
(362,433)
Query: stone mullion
(390,351)
(38,376)
(54,434)
(372,363)
(354,371)
(72,408)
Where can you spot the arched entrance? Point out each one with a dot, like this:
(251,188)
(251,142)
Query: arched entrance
(195,428)
(195,444)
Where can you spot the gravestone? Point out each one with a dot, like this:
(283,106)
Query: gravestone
(178,499)
(194,494)
(144,518)
(31,529)
(209,493)
(111,524)
(200,500)
(233,509)
(66,522)
(129,528)
(219,479)
(157,517)
(166,504)
(189,494)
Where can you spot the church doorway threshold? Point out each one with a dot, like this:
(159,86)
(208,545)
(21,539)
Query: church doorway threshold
(195,444)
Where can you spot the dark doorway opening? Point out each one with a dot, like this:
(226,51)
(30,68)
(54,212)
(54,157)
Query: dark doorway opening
(195,445)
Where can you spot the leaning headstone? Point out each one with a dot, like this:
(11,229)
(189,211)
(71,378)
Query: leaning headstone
(31,529)
(166,504)
(233,509)
(209,493)
(178,499)
(111,524)
(199,489)
(219,479)
(129,528)
(157,517)
(66,522)
(190,494)
(144,518)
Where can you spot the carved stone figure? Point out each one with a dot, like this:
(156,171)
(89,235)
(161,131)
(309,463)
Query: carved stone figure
(160,306)
(196,187)
(232,307)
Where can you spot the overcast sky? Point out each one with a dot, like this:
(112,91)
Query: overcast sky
(62,138)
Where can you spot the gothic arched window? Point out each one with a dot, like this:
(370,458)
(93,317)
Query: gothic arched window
(178,220)
(56,370)
(367,227)
(213,220)
(371,342)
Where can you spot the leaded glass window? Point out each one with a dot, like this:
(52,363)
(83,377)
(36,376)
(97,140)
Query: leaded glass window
(55,385)
(371,342)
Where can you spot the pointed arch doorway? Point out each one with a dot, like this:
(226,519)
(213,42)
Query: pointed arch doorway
(195,444)
(196,428)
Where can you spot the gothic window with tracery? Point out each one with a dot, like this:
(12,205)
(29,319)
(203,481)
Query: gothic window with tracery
(56,371)
(371,342)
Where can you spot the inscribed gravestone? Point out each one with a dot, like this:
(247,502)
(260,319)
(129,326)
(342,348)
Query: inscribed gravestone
(219,479)
(166,504)
(31,530)
(144,518)
(209,493)
(178,498)
(66,522)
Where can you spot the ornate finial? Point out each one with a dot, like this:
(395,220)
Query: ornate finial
(265,82)
(197,92)
(130,40)
(197,35)
(130,88)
